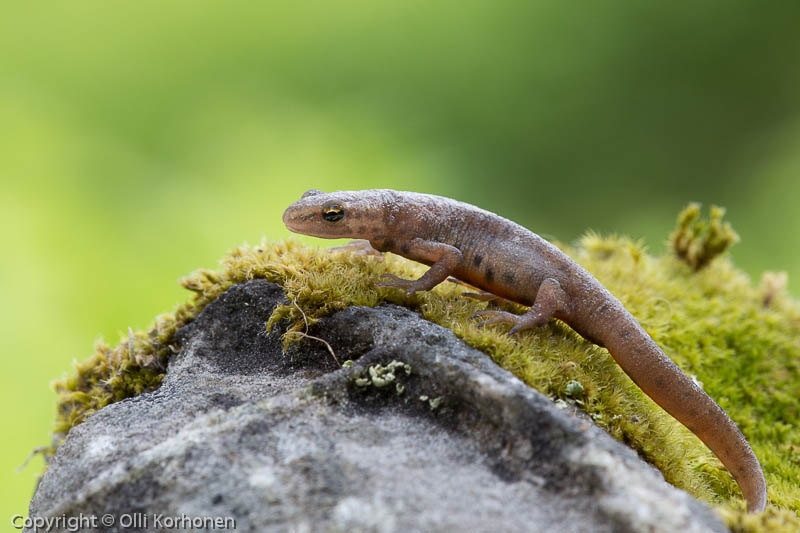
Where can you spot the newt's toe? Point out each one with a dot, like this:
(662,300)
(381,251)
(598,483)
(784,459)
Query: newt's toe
(390,281)
(496,317)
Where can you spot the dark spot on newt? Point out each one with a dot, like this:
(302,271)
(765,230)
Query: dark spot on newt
(489,277)
(388,244)
(477,260)
(405,248)
(509,277)
(362,229)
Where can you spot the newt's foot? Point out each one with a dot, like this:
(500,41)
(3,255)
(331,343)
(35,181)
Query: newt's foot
(480,296)
(518,322)
(491,318)
(393,282)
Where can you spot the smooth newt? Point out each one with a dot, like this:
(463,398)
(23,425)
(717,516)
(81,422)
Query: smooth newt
(505,259)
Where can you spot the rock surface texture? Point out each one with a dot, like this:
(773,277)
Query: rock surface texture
(292,442)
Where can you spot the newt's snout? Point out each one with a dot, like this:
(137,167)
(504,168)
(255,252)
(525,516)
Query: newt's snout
(299,219)
(308,219)
(289,219)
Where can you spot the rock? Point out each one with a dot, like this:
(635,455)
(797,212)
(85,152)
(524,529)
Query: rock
(421,433)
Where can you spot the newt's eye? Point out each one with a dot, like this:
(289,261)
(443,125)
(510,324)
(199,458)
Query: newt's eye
(333,212)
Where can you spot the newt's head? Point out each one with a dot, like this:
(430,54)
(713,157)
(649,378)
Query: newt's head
(348,214)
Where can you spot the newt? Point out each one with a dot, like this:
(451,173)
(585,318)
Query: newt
(505,259)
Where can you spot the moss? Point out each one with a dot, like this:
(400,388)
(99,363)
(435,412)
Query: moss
(717,325)
(772,520)
(698,241)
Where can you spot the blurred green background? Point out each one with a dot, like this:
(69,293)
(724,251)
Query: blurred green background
(141,140)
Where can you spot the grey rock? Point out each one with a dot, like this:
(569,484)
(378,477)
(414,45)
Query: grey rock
(292,442)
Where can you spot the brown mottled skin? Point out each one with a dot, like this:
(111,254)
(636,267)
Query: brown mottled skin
(507,260)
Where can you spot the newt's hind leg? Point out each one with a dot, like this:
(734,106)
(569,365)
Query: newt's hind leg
(550,299)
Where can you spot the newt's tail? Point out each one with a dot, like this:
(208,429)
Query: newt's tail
(661,379)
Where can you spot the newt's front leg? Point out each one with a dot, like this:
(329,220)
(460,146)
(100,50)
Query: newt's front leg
(445,259)
(550,299)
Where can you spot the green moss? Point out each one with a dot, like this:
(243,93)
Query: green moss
(698,241)
(739,340)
